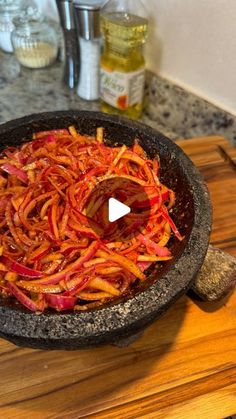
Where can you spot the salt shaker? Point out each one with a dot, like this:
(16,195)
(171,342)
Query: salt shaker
(87,19)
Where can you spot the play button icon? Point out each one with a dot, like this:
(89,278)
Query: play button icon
(116,210)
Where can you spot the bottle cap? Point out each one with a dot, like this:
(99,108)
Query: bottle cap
(87,18)
(127,7)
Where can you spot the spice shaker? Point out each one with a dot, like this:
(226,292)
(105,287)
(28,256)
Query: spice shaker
(8,10)
(87,19)
(34,40)
(71,64)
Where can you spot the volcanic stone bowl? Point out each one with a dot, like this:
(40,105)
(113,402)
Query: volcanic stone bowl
(165,283)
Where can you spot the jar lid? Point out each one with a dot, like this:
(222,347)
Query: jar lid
(89,4)
(29,19)
(29,14)
(9,6)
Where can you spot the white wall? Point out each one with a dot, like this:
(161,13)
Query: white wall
(195,45)
(193,42)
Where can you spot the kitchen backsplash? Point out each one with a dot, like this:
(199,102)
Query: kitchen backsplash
(193,44)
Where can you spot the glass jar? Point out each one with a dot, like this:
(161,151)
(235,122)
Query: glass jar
(8,10)
(35,42)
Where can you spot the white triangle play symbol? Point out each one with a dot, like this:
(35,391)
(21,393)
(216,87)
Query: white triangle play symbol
(116,210)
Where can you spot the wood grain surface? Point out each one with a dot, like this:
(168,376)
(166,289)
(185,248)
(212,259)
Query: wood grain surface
(183,366)
(216,159)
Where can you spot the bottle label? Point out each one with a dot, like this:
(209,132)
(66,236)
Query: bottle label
(122,90)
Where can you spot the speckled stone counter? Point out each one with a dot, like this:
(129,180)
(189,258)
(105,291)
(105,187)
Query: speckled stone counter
(170,109)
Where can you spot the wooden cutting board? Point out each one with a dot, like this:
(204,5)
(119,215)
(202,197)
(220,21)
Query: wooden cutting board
(216,159)
(184,365)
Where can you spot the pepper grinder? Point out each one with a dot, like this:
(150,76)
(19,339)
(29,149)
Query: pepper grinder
(87,20)
(71,65)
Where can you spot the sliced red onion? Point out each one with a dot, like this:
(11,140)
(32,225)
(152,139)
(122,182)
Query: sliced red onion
(20,269)
(13,170)
(60,302)
(81,283)
(48,139)
(160,251)
(143,265)
(22,297)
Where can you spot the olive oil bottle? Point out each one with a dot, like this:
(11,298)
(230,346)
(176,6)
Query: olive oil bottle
(124,28)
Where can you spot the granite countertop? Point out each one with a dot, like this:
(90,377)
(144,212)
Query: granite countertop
(170,109)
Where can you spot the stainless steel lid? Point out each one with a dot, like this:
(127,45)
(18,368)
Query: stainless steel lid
(87,18)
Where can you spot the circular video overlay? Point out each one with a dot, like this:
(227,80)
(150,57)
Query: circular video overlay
(118,208)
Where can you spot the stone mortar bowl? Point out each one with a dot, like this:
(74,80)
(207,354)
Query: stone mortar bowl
(129,316)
